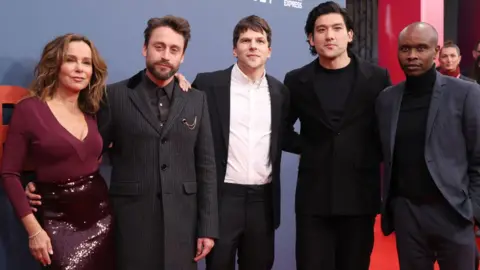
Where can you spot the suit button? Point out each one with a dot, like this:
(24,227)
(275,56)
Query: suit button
(164,141)
(164,167)
(224,163)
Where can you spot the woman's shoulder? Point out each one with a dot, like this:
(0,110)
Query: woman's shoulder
(29,107)
(29,102)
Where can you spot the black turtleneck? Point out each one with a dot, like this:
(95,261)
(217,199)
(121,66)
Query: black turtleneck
(410,175)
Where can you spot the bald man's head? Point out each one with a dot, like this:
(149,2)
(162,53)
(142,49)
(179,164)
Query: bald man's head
(417,48)
(422,28)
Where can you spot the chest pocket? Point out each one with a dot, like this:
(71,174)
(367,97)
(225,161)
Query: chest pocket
(183,126)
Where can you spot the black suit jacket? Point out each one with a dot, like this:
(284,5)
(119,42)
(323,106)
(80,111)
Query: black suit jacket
(452,143)
(216,85)
(162,185)
(339,170)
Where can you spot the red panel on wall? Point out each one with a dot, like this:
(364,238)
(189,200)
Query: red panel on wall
(393,16)
(8,95)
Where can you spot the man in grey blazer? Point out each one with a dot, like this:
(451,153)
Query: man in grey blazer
(430,132)
(163,182)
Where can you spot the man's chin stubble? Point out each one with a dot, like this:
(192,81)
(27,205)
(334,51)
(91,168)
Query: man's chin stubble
(163,77)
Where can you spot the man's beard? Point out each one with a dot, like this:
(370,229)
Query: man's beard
(161,76)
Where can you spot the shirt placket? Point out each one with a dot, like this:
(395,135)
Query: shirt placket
(251,146)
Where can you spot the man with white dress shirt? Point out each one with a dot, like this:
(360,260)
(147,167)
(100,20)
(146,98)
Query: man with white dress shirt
(247,109)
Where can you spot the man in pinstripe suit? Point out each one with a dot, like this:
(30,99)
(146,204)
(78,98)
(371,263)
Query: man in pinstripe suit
(163,183)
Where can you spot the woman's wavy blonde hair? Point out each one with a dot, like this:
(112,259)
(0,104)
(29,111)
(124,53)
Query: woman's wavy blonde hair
(47,70)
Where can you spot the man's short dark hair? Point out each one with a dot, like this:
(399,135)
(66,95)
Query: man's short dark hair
(451,44)
(324,9)
(254,23)
(177,24)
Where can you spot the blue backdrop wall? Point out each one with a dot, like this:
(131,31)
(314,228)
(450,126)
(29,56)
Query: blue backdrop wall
(116,27)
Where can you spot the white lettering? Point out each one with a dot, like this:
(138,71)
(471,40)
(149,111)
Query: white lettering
(292,3)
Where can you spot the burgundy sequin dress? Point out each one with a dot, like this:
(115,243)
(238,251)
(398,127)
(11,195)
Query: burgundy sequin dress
(75,211)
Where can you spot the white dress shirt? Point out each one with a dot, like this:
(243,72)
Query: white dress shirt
(250,130)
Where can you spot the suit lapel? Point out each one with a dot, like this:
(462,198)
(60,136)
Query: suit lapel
(178,103)
(434,105)
(397,95)
(222,97)
(354,99)
(276,115)
(309,78)
(139,101)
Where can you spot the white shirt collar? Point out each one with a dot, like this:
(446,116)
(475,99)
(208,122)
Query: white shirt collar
(239,76)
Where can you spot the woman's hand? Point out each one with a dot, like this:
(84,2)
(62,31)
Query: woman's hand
(38,240)
(41,247)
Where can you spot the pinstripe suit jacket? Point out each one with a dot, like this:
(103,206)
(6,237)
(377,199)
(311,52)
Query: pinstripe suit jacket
(163,183)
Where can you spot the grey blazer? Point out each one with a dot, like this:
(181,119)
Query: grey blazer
(452,147)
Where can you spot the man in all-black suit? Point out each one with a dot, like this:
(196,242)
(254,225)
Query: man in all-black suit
(247,110)
(163,183)
(430,132)
(338,189)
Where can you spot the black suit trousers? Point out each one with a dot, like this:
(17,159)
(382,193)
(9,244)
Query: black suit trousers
(430,232)
(334,242)
(246,227)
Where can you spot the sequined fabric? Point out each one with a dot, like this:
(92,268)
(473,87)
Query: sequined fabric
(77,216)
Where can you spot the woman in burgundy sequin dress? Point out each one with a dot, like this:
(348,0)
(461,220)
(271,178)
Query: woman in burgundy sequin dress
(57,131)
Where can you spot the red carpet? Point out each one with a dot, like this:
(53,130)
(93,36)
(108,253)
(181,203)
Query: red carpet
(384,255)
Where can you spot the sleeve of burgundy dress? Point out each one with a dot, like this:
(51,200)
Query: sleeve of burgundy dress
(14,155)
